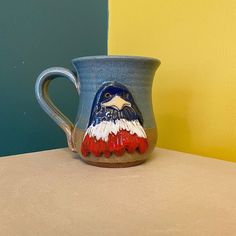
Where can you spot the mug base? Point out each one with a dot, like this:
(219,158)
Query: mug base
(113,165)
(126,160)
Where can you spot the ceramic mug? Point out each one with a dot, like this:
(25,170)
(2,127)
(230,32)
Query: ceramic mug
(115,125)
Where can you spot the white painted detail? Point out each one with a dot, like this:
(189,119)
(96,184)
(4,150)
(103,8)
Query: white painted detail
(117,102)
(103,129)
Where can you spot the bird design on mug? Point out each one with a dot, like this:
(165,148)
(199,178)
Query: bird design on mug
(115,124)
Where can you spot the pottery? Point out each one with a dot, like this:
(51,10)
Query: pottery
(115,125)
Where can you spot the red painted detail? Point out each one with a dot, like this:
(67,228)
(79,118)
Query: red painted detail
(117,144)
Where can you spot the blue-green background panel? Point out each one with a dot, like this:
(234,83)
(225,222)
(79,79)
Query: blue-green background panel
(35,35)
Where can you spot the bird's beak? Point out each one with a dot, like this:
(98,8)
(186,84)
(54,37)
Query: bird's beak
(117,102)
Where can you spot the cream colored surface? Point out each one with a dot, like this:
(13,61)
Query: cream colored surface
(53,193)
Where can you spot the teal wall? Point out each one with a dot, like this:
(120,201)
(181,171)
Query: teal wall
(35,35)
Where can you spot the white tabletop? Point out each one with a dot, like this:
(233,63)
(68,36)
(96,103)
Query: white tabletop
(54,193)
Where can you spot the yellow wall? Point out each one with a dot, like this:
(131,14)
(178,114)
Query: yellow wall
(194,91)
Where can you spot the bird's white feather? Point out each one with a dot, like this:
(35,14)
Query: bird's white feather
(103,129)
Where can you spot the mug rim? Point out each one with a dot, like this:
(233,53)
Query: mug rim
(144,58)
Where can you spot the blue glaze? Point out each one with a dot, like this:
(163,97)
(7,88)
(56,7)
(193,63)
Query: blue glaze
(105,94)
(135,73)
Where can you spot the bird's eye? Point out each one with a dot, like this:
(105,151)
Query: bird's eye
(127,96)
(107,95)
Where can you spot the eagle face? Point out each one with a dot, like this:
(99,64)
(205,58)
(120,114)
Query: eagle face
(115,123)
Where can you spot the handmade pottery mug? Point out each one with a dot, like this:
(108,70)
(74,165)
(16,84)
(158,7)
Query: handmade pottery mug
(115,125)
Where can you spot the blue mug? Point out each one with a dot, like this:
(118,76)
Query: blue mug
(115,124)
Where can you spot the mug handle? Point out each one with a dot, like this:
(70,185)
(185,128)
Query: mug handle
(41,91)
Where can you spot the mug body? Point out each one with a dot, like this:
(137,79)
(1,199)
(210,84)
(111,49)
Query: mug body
(115,124)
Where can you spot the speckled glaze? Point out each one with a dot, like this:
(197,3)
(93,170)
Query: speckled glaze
(135,73)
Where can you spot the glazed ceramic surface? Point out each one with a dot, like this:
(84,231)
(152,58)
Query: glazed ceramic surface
(115,125)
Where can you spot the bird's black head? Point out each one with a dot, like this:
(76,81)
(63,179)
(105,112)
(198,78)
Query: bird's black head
(114,101)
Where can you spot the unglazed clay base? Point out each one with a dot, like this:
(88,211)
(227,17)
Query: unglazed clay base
(113,165)
(126,160)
